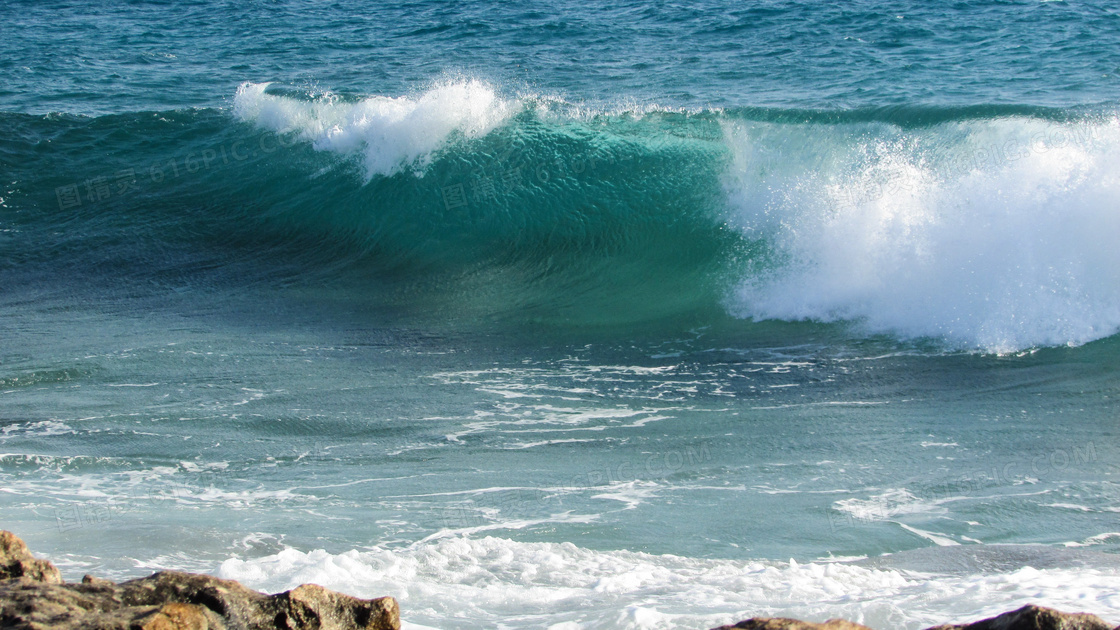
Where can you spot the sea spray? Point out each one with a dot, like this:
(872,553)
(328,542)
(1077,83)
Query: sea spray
(991,234)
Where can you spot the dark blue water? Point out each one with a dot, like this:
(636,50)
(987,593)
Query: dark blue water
(117,57)
(570,316)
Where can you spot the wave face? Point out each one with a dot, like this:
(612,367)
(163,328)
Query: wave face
(986,227)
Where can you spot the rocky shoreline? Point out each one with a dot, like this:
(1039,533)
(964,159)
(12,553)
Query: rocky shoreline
(34,596)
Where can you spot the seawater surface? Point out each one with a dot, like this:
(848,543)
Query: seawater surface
(573,316)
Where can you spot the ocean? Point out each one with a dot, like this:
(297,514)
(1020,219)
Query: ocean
(569,315)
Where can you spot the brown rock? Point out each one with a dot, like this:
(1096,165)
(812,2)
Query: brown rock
(238,605)
(40,606)
(90,580)
(309,606)
(176,617)
(1034,618)
(312,606)
(782,623)
(166,617)
(17,562)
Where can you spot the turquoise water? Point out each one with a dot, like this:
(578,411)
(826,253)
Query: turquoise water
(546,315)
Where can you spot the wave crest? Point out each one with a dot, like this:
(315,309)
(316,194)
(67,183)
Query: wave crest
(393,134)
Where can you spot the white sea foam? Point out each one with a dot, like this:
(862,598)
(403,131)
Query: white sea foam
(42,428)
(518,419)
(491,582)
(566,517)
(889,504)
(631,493)
(995,235)
(392,134)
(940,541)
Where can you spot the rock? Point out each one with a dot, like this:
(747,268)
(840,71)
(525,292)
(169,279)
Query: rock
(16,562)
(41,606)
(34,597)
(1034,618)
(308,606)
(89,580)
(176,617)
(313,606)
(240,606)
(781,623)
(1026,618)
